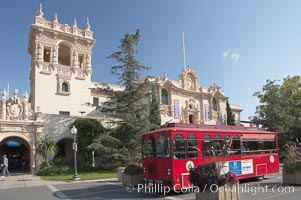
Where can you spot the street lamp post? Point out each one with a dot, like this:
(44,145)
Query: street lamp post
(74,132)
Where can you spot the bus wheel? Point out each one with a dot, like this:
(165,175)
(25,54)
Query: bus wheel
(259,178)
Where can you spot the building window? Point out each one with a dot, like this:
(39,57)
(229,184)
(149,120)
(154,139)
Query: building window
(46,54)
(214,104)
(65,87)
(95,101)
(64,113)
(191,119)
(164,97)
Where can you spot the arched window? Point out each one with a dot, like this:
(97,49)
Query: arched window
(164,97)
(214,104)
(163,146)
(217,143)
(207,147)
(64,55)
(192,146)
(179,147)
(65,87)
(148,148)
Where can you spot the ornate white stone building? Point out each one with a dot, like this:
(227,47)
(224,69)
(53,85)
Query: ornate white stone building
(186,101)
(61,90)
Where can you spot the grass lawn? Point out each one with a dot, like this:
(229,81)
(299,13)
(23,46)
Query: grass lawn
(82,175)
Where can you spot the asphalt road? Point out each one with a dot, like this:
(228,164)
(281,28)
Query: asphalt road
(270,188)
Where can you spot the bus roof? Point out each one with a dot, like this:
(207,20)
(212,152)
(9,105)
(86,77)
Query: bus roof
(210,128)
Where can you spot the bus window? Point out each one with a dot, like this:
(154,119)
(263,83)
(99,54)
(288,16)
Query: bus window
(179,147)
(148,148)
(267,145)
(259,143)
(217,144)
(192,146)
(207,148)
(236,145)
(163,147)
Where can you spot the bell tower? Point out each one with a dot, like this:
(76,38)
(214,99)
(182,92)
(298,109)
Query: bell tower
(60,75)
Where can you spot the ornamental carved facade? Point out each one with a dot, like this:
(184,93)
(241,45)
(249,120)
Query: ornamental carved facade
(15,108)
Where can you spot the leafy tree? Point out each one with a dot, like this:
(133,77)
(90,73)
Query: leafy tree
(92,136)
(280,107)
(154,117)
(46,147)
(230,115)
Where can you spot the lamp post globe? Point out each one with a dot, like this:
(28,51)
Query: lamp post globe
(74,132)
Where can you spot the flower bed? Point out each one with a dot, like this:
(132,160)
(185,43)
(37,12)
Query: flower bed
(212,185)
(291,173)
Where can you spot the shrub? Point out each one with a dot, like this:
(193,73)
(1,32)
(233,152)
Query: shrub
(207,175)
(292,161)
(133,169)
(53,169)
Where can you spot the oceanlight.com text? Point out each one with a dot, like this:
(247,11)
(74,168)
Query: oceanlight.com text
(245,188)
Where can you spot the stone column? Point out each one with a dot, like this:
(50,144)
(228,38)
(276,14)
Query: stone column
(74,59)
(39,51)
(33,157)
(88,61)
(54,55)
(3,105)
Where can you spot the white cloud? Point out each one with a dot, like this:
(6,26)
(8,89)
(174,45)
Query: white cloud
(234,57)
(230,55)
(226,54)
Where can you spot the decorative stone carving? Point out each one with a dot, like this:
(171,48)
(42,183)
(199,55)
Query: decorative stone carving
(39,52)
(27,113)
(191,109)
(74,58)
(164,76)
(55,18)
(74,23)
(3,105)
(88,25)
(40,11)
(16,109)
(88,60)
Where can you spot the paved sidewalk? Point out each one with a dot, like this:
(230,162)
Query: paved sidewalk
(24,180)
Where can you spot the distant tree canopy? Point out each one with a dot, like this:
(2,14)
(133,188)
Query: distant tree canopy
(230,115)
(92,136)
(130,104)
(280,107)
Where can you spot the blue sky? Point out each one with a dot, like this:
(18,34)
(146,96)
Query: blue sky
(236,44)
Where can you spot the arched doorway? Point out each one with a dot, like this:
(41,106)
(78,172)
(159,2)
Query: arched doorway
(18,153)
(65,151)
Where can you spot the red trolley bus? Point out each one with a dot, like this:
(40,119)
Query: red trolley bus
(171,151)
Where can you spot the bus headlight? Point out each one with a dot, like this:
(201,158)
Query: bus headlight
(168,171)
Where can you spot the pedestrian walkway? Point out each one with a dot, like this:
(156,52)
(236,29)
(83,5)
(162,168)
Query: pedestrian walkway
(16,180)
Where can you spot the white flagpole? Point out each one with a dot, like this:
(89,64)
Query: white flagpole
(183,46)
(8,91)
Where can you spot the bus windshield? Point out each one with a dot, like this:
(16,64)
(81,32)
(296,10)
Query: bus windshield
(159,148)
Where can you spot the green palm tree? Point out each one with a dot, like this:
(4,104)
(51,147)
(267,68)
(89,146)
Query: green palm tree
(46,147)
